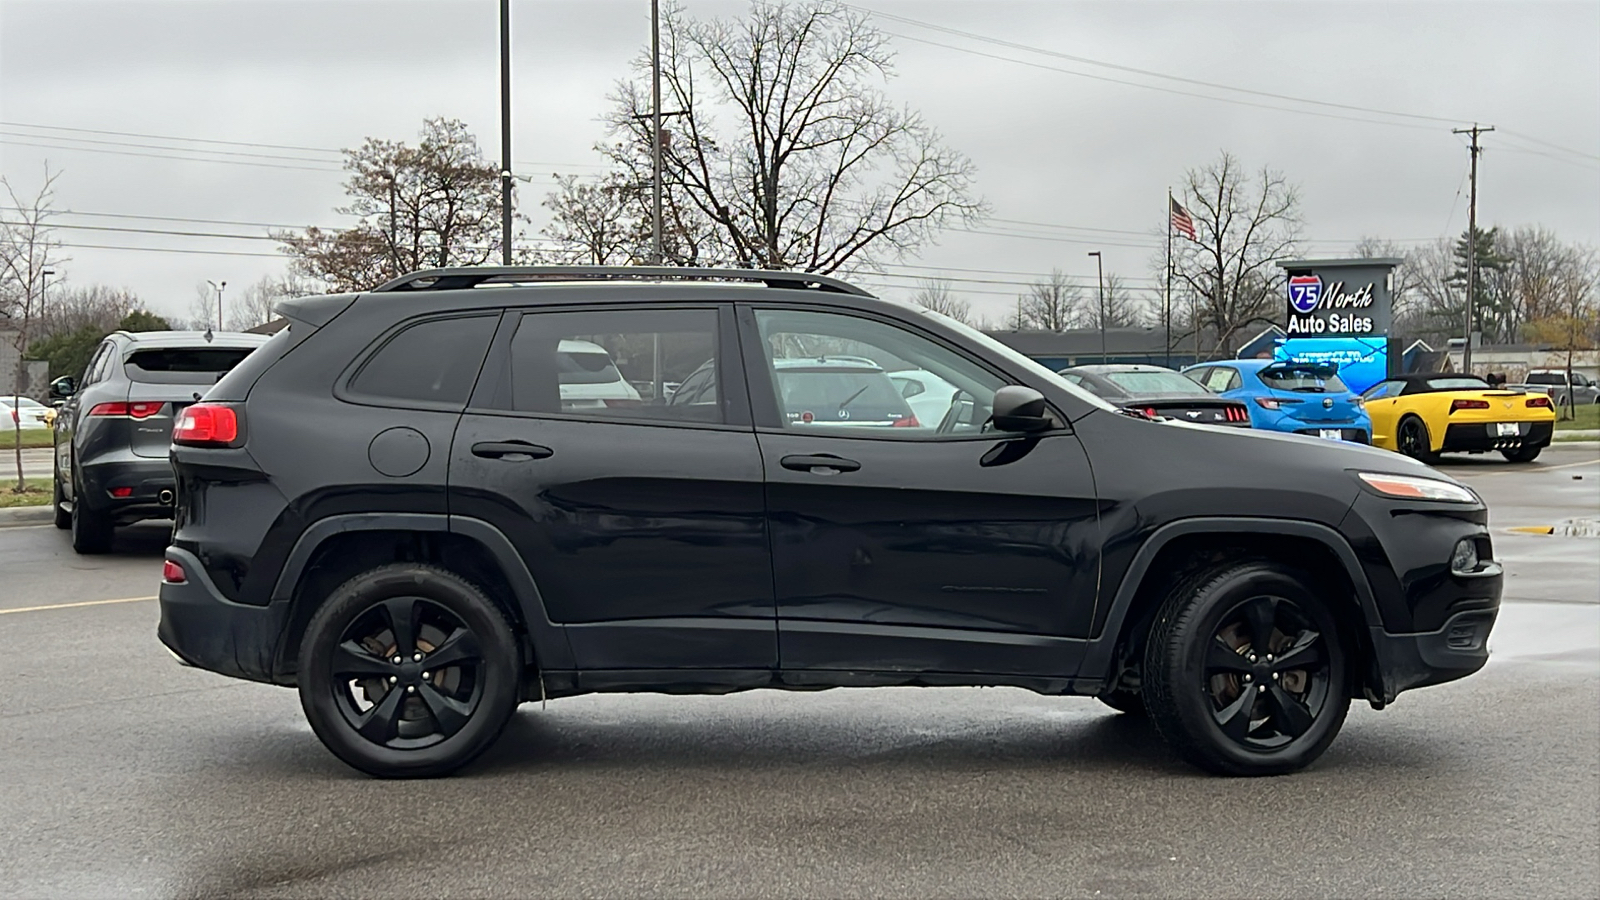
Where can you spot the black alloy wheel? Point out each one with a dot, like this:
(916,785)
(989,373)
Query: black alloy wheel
(1245,671)
(1414,441)
(408,671)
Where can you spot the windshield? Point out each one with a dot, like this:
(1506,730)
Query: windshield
(184,365)
(1010,355)
(586,367)
(1154,384)
(1303,379)
(840,395)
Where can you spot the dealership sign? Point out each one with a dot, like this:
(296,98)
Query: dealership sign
(1339,297)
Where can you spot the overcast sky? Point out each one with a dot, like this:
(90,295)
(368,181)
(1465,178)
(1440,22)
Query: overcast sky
(1084,161)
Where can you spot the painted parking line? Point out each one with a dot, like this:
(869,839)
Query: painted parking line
(1586,462)
(23,609)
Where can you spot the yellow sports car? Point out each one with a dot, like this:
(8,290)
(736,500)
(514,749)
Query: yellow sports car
(1425,415)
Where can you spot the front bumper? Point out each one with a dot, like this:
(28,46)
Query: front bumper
(205,629)
(1406,661)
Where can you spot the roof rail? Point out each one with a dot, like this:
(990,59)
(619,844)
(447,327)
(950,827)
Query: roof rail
(472,276)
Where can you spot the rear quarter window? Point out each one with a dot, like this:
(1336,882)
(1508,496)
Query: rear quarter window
(434,362)
(183,365)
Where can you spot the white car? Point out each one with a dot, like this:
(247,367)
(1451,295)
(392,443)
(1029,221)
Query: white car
(928,395)
(589,377)
(29,413)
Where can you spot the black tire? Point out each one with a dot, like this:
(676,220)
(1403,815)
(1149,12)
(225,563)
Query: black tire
(63,518)
(1413,439)
(1209,648)
(448,715)
(1522,454)
(1128,702)
(91,531)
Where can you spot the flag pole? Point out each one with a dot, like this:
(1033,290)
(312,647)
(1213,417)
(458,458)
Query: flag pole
(1166,311)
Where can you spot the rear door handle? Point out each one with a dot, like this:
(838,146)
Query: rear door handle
(822,461)
(513,450)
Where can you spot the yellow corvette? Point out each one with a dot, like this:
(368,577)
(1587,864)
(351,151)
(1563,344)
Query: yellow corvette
(1425,415)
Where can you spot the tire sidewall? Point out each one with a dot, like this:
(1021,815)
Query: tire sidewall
(499,671)
(1426,454)
(1184,671)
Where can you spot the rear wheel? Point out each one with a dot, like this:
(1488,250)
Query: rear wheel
(1414,441)
(407,671)
(1522,454)
(1244,672)
(63,518)
(91,530)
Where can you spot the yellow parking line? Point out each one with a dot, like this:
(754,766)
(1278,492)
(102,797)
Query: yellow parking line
(23,609)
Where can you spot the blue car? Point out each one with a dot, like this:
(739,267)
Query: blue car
(1297,397)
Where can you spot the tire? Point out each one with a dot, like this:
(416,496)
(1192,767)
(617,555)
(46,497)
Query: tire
(1128,702)
(1208,649)
(444,720)
(1412,439)
(63,518)
(1522,454)
(91,531)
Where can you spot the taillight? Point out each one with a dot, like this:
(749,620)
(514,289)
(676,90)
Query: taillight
(1468,404)
(140,410)
(172,573)
(206,425)
(907,422)
(1539,401)
(1268,402)
(1151,412)
(1238,414)
(122,493)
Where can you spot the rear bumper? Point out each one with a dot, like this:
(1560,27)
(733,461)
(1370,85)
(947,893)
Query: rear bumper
(1481,436)
(150,482)
(1350,433)
(207,630)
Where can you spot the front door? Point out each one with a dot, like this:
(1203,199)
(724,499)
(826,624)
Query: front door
(907,541)
(636,505)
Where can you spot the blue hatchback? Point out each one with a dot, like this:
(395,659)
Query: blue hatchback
(1297,397)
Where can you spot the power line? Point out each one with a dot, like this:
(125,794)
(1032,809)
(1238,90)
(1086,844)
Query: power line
(172,250)
(77,140)
(231,162)
(162,137)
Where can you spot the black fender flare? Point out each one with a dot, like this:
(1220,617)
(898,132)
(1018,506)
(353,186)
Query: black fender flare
(550,644)
(1101,654)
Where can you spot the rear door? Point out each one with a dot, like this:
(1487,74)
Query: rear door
(162,381)
(640,516)
(1315,392)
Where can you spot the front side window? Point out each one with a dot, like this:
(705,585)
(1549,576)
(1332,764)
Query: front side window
(618,364)
(1382,390)
(434,362)
(1222,379)
(832,371)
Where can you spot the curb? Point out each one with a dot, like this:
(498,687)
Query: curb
(18,516)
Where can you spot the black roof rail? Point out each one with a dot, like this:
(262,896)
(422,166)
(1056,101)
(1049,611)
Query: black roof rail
(460,278)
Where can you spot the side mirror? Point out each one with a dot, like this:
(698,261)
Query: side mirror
(1018,408)
(63,387)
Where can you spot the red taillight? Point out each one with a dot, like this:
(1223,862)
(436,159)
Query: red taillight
(172,573)
(205,424)
(907,422)
(1238,414)
(122,493)
(1468,404)
(1538,402)
(140,410)
(1151,412)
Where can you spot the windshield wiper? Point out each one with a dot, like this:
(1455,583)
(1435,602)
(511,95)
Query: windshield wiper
(846,401)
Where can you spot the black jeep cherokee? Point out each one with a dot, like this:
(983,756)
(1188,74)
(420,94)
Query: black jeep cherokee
(468,488)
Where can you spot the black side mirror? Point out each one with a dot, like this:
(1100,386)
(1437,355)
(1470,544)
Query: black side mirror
(1018,408)
(63,387)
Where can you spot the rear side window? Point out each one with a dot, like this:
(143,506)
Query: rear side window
(616,364)
(183,365)
(433,362)
(1543,378)
(1222,379)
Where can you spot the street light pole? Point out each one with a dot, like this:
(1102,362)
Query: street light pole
(1100,277)
(655,131)
(219,288)
(505,132)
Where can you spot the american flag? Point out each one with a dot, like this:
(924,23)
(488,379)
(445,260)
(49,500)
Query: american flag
(1181,220)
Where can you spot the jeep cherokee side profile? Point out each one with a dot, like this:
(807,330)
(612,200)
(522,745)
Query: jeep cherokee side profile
(393,507)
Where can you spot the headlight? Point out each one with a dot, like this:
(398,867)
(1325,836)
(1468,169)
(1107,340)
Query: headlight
(1409,488)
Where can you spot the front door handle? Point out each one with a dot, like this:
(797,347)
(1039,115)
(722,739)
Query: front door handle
(822,461)
(511,450)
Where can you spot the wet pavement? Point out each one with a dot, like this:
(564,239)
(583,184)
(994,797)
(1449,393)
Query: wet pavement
(127,775)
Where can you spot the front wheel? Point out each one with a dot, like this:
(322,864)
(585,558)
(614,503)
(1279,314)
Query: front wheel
(1522,454)
(1245,673)
(1414,441)
(408,671)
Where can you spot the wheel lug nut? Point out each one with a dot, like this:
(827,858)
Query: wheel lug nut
(397,660)
(1274,676)
(411,689)
(393,679)
(425,676)
(416,657)
(1261,687)
(1252,657)
(1269,657)
(1247,679)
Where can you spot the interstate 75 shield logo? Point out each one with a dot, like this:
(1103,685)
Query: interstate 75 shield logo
(1305,292)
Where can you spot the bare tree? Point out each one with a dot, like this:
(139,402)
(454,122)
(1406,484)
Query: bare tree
(599,222)
(933,294)
(783,152)
(29,255)
(1052,304)
(1123,307)
(204,307)
(1245,222)
(436,204)
(1571,310)
(253,305)
(94,306)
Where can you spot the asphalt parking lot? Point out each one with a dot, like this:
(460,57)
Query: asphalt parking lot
(128,775)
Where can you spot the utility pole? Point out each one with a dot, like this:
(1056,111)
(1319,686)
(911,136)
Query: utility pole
(1166,305)
(1472,239)
(505,131)
(1100,276)
(655,132)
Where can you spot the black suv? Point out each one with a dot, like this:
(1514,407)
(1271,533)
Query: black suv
(412,505)
(113,434)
